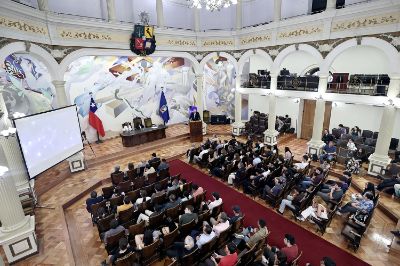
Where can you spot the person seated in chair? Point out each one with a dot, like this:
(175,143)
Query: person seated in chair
(335,193)
(188,216)
(275,190)
(163,165)
(143,197)
(172,202)
(147,214)
(237,214)
(219,225)
(294,197)
(342,129)
(328,152)
(149,236)
(117,170)
(127,205)
(317,210)
(389,183)
(158,191)
(228,258)
(365,204)
(198,158)
(259,233)
(114,229)
(205,237)
(196,190)
(174,185)
(315,179)
(303,164)
(153,158)
(181,249)
(351,146)
(123,250)
(217,200)
(93,200)
(327,137)
(291,250)
(148,170)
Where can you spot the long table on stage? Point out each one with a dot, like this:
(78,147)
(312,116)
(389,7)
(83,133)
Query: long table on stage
(136,137)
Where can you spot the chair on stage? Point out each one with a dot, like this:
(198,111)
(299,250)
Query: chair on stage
(147,122)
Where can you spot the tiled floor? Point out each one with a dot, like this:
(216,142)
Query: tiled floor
(57,186)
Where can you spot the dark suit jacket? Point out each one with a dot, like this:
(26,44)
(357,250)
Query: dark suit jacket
(195,116)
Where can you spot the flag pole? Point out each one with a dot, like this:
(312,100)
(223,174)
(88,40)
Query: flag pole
(98,141)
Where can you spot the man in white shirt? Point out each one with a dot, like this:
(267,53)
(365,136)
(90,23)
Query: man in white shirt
(216,202)
(200,156)
(303,164)
(221,224)
(205,237)
(149,170)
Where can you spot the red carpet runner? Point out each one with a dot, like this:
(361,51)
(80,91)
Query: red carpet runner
(314,247)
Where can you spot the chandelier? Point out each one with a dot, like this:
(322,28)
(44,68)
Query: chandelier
(211,5)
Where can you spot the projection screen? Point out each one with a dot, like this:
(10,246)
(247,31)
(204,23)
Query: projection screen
(48,138)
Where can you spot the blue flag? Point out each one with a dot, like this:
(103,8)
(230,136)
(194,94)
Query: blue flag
(164,113)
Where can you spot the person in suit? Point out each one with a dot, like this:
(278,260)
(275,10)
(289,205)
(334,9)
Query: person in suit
(93,200)
(195,116)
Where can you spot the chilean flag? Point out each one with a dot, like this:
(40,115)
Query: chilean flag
(94,120)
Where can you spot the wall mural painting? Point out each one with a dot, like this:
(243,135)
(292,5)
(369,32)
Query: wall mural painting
(26,85)
(219,88)
(129,86)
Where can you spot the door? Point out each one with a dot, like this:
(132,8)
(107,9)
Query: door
(308,118)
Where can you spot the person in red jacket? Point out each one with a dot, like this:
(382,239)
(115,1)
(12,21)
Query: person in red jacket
(291,250)
(229,259)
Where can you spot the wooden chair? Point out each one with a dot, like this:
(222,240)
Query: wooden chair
(117,178)
(127,260)
(163,173)
(205,216)
(150,253)
(238,225)
(248,257)
(126,215)
(108,191)
(159,199)
(133,195)
(185,229)
(224,237)
(164,183)
(139,182)
(131,174)
(295,262)
(149,189)
(217,210)
(173,212)
(190,259)
(207,249)
(95,207)
(116,201)
(170,238)
(103,225)
(187,203)
(155,221)
(124,186)
(187,187)
(152,178)
(113,242)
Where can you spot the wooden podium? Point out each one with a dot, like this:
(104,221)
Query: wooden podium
(196,131)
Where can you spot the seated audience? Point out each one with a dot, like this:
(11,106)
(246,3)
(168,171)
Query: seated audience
(291,250)
(117,170)
(149,170)
(163,165)
(328,152)
(124,249)
(288,154)
(149,236)
(180,249)
(388,184)
(229,258)
(326,137)
(114,229)
(275,190)
(317,210)
(198,158)
(174,185)
(365,204)
(221,224)
(334,193)
(259,233)
(294,197)
(315,179)
(216,201)
(172,202)
(205,237)
(237,214)
(158,192)
(127,205)
(153,158)
(355,132)
(147,214)
(303,164)
(93,200)
(188,216)
(351,146)
(342,129)
(143,197)
(196,190)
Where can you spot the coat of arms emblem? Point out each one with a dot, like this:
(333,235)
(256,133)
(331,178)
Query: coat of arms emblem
(143,41)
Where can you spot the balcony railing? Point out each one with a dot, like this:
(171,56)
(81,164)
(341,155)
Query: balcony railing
(308,83)
(360,89)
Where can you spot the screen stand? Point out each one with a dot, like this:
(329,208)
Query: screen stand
(37,204)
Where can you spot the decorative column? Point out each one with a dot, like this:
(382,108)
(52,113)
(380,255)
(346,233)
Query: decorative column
(4,121)
(239,15)
(277,10)
(15,163)
(160,13)
(315,144)
(379,159)
(238,126)
(330,5)
(112,17)
(271,135)
(17,234)
(196,16)
(43,5)
(199,100)
(60,92)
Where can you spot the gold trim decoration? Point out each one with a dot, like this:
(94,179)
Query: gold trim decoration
(300,32)
(255,39)
(217,42)
(66,33)
(365,22)
(23,26)
(177,42)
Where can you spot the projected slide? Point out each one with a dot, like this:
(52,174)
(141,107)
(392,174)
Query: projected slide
(48,138)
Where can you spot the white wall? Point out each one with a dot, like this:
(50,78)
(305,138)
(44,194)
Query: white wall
(87,8)
(257,63)
(284,106)
(224,19)
(298,61)
(363,116)
(178,16)
(361,60)
(257,12)
(293,8)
